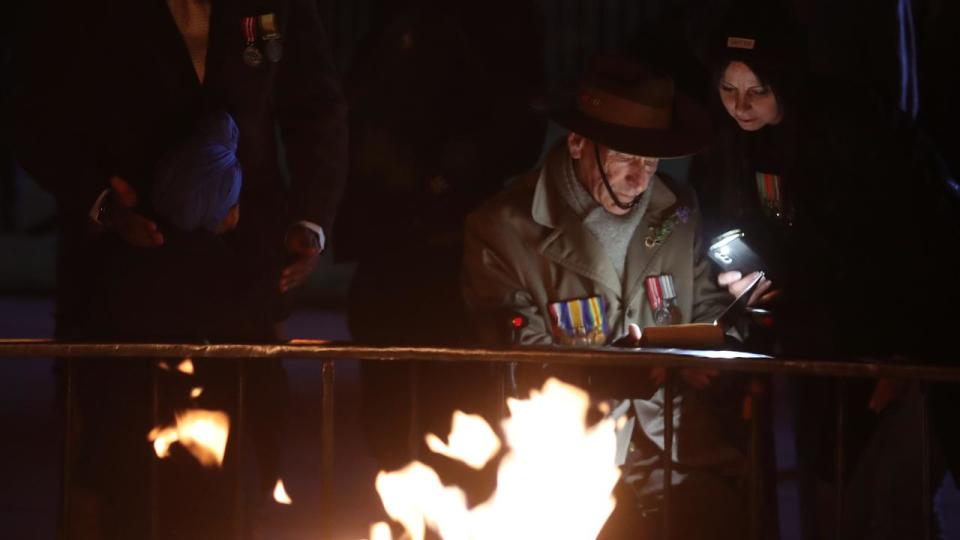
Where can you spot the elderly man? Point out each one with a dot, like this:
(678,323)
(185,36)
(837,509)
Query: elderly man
(595,246)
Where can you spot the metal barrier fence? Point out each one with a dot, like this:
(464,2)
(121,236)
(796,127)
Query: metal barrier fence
(670,359)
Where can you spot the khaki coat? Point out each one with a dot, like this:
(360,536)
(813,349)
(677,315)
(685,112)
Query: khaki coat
(527,248)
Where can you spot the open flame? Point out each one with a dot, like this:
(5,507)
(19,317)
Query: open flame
(280,493)
(203,433)
(472,441)
(195,392)
(380,531)
(185,366)
(556,480)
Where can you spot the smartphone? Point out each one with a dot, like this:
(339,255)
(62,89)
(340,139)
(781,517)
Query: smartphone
(739,304)
(731,252)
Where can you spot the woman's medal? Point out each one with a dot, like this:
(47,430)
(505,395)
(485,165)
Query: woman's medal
(770,189)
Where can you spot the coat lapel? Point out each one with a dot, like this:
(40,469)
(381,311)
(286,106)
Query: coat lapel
(167,46)
(639,256)
(569,244)
(573,247)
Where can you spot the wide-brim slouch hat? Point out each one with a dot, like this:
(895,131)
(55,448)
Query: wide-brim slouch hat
(632,108)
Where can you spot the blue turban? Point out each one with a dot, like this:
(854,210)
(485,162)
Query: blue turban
(198,181)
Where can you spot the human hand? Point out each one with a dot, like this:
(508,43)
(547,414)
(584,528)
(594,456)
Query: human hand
(884,393)
(304,247)
(134,228)
(735,283)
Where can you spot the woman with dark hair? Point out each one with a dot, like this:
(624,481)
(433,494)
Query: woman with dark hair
(837,196)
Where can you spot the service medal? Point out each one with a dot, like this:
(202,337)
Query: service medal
(251,53)
(770,190)
(661,295)
(252,56)
(662,316)
(274,50)
(579,322)
(271,37)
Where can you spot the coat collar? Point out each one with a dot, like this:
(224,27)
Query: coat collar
(169,49)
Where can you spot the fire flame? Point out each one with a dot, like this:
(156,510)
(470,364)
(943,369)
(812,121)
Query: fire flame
(555,482)
(203,433)
(472,441)
(196,391)
(185,366)
(280,493)
(380,531)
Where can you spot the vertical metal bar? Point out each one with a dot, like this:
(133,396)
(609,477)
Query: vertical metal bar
(668,391)
(841,414)
(327,447)
(67,472)
(153,486)
(754,480)
(413,435)
(504,373)
(238,436)
(598,30)
(926,500)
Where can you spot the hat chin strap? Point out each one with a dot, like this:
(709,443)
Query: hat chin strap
(606,184)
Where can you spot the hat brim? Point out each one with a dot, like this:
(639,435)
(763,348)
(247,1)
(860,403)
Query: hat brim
(689,132)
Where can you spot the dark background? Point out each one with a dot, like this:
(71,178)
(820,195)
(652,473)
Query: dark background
(853,40)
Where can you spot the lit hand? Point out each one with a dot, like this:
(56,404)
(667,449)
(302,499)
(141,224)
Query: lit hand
(736,283)
(135,229)
(304,246)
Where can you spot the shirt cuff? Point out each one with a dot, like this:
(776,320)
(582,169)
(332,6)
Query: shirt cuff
(321,238)
(95,209)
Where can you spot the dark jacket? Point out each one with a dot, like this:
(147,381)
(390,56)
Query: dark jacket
(862,254)
(189,289)
(108,87)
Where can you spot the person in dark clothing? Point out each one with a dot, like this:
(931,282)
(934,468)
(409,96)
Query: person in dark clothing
(836,193)
(196,197)
(105,119)
(117,112)
(199,299)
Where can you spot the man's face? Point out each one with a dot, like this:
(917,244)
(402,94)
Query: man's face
(629,175)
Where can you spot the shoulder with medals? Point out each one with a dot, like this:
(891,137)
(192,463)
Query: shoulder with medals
(261,39)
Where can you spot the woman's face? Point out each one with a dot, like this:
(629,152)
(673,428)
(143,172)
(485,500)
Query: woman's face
(751,103)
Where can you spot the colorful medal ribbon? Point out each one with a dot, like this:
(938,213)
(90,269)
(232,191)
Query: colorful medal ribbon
(654,294)
(661,294)
(249,30)
(268,26)
(771,193)
(580,321)
(251,54)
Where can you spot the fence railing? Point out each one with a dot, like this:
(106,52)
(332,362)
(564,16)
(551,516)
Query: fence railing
(670,359)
